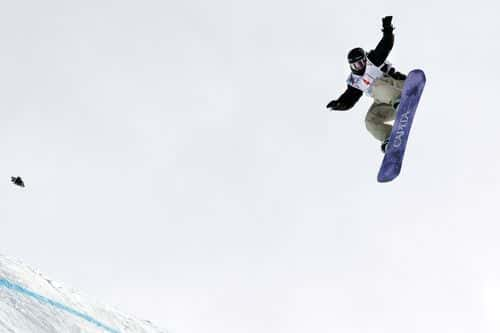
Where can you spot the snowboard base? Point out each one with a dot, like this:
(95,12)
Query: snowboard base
(395,150)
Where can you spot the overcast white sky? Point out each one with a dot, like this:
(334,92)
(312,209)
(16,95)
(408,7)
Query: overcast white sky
(181,165)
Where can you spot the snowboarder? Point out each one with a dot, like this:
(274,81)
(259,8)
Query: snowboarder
(373,75)
(17,181)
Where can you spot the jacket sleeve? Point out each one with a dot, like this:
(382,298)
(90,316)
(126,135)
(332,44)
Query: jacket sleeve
(384,47)
(350,97)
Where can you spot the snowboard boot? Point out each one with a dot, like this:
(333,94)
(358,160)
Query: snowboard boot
(383,147)
(396,104)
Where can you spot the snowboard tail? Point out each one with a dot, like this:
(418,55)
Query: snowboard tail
(395,150)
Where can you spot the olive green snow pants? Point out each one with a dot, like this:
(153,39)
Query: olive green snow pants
(385,91)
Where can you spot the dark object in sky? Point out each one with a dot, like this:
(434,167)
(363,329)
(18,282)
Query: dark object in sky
(17,180)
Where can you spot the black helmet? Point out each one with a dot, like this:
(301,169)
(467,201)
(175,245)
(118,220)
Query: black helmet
(357,60)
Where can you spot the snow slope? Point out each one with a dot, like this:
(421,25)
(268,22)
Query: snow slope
(30,302)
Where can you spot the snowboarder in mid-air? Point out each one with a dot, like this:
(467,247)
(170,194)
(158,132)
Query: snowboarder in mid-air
(373,75)
(17,181)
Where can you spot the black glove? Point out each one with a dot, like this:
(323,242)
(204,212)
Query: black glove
(332,104)
(396,75)
(336,106)
(387,24)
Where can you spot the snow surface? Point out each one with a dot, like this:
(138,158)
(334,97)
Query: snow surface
(30,302)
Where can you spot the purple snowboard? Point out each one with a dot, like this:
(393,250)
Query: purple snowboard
(393,159)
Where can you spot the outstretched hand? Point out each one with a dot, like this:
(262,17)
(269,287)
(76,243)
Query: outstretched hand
(332,104)
(336,106)
(387,23)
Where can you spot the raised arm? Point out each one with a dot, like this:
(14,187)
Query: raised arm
(384,47)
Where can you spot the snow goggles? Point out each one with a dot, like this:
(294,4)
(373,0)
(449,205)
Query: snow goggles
(358,64)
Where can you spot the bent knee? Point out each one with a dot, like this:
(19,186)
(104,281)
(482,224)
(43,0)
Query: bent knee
(373,118)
